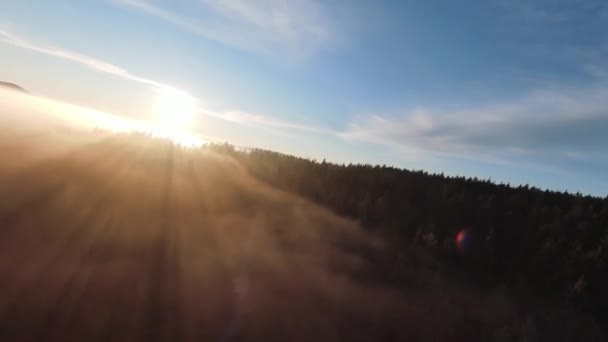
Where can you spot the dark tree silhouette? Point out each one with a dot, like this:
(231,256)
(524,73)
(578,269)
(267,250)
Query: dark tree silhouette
(552,243)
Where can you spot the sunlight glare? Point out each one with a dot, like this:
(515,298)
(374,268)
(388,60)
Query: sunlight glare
(175,109)
(47,113)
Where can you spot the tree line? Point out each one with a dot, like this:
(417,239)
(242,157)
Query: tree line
(552,243)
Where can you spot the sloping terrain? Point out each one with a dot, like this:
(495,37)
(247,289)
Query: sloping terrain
(11,86)
(131,237)
(128,237)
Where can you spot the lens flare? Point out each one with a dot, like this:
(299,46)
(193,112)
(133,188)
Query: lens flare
(461,239)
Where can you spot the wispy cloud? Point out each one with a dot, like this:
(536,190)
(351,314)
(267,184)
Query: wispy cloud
(236,116)
(297,28)
(551,12)
(568,123)
(90,62)
(242,117)
(536,12)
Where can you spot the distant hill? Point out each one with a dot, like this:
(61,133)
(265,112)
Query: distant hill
(12,86)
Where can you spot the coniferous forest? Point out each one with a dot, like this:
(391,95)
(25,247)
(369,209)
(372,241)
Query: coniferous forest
(552,245)
(129,236)
(203,170)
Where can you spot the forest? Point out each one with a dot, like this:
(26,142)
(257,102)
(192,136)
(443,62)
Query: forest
(551,245)
(133,237)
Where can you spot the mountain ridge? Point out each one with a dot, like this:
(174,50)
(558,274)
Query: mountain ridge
(13,86)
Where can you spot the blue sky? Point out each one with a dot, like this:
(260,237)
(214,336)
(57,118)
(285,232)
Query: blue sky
(512,90)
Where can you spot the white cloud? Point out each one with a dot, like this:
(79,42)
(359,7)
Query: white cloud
(297,28)
(569,122)
(242,117)
(90,62)
(237,116)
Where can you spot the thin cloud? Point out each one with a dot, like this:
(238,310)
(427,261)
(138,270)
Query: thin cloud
(90,62)
(297,28)
(236,116)
(568,123)
(269,121)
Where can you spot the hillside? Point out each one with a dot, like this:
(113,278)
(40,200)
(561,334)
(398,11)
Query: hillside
(553,244)
(11,86)
(131,237)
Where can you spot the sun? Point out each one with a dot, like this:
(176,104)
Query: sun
(174,114)
(175,109)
